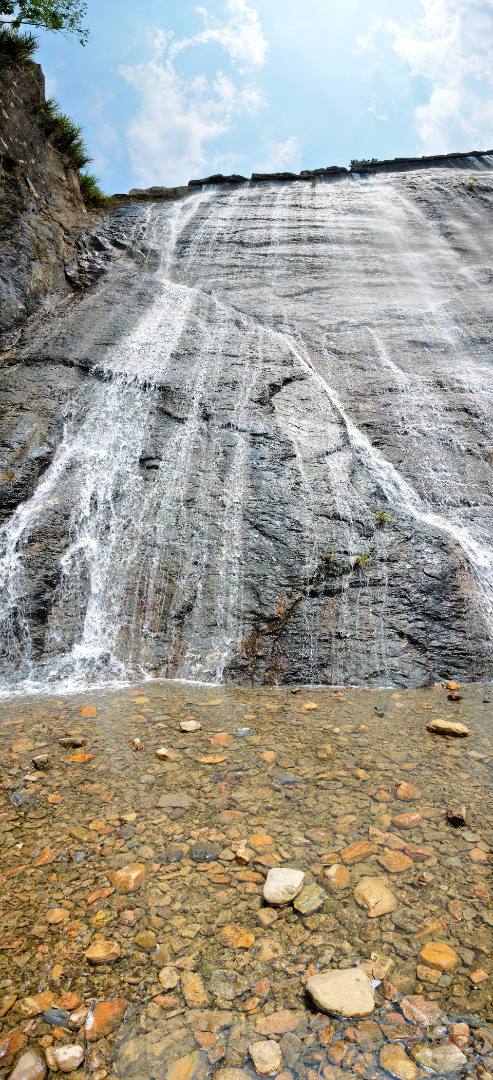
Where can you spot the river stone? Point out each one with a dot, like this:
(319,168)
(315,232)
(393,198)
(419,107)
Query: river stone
(345,992)
(448,727)
(30,1066)
(441,1058)
(282,884)
(437,954)
(394,1060)
(128,878)
(68,1058)
(190,725)
(103,952)
(310,899)
(266,1056)
(177,800)
(372,894)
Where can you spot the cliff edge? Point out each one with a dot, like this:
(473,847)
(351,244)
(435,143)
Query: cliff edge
(41,208)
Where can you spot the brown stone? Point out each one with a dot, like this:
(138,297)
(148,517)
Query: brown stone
(129,878)
(278,1023)
(395,861)
(103,1018)
(407,821)
(337,876)
(236,937)
(418,1010)
(6,1003)
(88,711)
(103,952)
(358,851)
(191,1067)
(448,727)
(407,792)
(193,989)
(38,1003)
(57,915)
(394,1060)
(10,1043)
(437,954)
(372,894)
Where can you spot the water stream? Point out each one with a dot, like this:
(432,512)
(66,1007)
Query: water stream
(307,360)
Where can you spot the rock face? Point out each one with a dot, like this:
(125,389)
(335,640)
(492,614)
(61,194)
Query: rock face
(215,463)
(41,209)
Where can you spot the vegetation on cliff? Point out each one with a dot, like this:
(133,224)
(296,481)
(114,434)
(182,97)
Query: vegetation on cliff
(18,47)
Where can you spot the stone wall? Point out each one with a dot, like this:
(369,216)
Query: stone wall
(41,208)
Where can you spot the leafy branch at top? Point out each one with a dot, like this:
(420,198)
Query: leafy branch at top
(62,15)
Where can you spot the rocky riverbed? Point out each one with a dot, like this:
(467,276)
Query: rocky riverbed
(139,828)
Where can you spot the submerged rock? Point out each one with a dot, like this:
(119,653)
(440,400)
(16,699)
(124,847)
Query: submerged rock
(282,884)
(373,894)
(439,1058)
(448,727)
(30,1066)
(266,1056)
(346,992)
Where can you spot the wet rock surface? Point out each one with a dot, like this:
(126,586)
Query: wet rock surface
(277,522)
(181,976)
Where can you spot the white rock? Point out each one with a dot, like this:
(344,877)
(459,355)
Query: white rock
(68,1058)
(346,992)
(30,1066)
(282,884)
(266,1056)
(190,725)
(442,1058)
(448,727)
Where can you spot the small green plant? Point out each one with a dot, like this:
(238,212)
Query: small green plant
(63,134)
(471,183)
(361,562)
(361,163)
(382,519)
(16,48)
(91,191)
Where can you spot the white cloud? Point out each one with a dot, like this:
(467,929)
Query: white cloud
(241,35)
(180,117)
(367,42)
(378,115)
(281,156)
(450,45)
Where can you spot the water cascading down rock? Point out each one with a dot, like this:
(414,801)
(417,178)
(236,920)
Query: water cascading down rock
(259,449)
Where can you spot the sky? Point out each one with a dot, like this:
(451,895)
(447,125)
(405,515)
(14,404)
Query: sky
(168,90)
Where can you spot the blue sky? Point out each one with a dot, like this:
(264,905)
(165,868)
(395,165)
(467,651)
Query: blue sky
(167,90)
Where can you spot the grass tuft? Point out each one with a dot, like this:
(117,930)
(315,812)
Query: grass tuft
(16,48)
(63,134)
(91,192)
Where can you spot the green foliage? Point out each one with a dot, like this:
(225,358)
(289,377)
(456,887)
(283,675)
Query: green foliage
(362,562)
(91,191)
(63,134)
(471,183)
(64,15)
(360,163)
(16,48)
(382,519)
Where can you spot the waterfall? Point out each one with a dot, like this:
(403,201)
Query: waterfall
(279,467)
